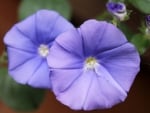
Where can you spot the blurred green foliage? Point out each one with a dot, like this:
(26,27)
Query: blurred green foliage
(141,42)
(28,7)
(142,5)
(19,97)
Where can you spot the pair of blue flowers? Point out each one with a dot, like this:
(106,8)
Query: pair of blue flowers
(90,67)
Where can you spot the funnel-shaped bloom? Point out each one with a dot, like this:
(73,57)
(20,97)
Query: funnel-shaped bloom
(93,66)
(28,44)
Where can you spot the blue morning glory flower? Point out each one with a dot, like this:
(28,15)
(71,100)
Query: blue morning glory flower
(117,9)
(93,66)
(28,44)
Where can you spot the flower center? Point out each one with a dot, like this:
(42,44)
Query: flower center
(90,63)
(43,50)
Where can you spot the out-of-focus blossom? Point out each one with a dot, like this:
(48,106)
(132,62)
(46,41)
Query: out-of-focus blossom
(117,9)
(147,19)
(93,66)
(28,44)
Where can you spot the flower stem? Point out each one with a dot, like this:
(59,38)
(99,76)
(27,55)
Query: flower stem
(3,58)
(115,21)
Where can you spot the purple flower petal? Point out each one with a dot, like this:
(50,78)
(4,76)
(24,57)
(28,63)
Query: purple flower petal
(33,72)
(15,39)
(45,23)
(91,37)
(44,26)
(102,94)
(111,38)
(100,36)
(22,73)
(40,77)
(16,57)
(28,44)
(72,42)
(123,61)
(67,51)
(65,25)
(88,90)
(59,58)
(75,95)
(68,78)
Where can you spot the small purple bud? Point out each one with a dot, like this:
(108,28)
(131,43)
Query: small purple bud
(117,9)
(147,19)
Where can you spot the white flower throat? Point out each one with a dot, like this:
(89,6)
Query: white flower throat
(90,63)
(43,50)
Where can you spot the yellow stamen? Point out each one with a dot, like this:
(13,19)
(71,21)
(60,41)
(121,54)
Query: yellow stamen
(90,63)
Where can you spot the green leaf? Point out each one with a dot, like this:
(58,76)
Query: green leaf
(142,5)
(104,16)
(126,30)
(141,42)
(19,97)
(28,7)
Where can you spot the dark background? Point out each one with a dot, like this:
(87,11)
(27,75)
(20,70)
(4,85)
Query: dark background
(138,100)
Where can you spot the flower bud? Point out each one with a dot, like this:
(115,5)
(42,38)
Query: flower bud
(118,10)
(147,20)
